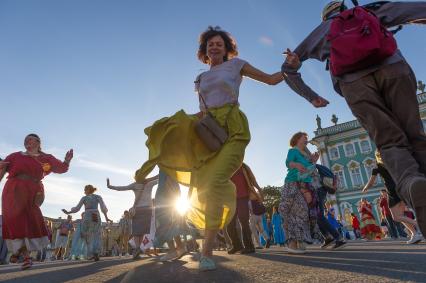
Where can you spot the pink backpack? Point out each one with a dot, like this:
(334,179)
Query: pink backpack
(358,40)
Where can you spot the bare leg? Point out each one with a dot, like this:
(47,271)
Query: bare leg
(397,212)
(210,236)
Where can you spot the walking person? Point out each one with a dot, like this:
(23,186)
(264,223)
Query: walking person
(125,230)
(78,247)
(356,226)
(244,187)
(396,205)
(170,218)
(387,215)
(378,85)
(177,149)
(22,196)
(61,242)
(296,195)
(91,227)
(277,226)
(142,210)
(258,231)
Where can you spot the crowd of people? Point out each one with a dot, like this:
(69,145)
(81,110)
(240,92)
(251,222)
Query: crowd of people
(205,151)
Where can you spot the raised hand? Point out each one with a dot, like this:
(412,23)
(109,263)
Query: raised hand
(315,157)
(69,156)
(292,59)
(319,102)
(108,184)
(64,211)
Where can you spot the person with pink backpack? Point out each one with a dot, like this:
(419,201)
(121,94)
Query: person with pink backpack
(369,71)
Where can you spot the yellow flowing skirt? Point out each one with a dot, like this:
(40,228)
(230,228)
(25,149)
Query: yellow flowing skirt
(174,146)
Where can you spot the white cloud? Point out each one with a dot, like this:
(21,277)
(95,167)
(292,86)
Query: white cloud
(103,167)
(265,40)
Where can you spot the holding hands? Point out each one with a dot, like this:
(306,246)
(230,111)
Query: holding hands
(319,102)
(292,59)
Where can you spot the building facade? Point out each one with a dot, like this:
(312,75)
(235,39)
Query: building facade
(348,151)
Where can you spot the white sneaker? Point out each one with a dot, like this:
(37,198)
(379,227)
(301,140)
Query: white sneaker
(295,251)
(416,238)
(169,256)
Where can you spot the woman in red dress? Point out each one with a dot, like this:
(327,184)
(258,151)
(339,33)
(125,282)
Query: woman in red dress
(369,228)
(24,229)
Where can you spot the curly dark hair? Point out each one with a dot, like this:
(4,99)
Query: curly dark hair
(230,44)
(295,138)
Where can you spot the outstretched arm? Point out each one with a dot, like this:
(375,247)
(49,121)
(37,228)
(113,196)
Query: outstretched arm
(398,13)
(370,183)
(132,186)
(76,208)
(314,46)
(256,74)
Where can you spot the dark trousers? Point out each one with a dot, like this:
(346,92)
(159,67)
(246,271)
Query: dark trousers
(391,226)
(325,227)
(243,217)
(385,103)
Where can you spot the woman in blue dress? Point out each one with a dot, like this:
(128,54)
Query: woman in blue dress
(91,224)
(277,224)
(78,246)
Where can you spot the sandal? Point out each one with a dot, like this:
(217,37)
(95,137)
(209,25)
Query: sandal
(28,262)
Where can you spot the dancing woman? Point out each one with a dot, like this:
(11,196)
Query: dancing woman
(297,194)
(174,146)
(142,209)
(91,226)
(369,228)
(24,229)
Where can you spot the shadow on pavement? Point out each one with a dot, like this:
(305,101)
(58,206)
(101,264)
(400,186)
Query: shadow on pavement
(72,271)
(182,271)
(394,264)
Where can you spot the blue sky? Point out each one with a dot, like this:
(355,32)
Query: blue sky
(91,75)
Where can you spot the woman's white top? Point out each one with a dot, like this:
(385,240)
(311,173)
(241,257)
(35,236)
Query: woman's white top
(143,194)
(221,84)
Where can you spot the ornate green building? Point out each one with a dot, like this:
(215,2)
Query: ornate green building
(348,151)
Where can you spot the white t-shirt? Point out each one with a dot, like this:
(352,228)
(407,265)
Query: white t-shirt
(143,194)
(221,84)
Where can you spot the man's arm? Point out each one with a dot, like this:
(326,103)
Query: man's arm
(398,13)
(315,46)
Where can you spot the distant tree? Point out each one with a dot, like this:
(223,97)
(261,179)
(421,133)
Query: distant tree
(272,197)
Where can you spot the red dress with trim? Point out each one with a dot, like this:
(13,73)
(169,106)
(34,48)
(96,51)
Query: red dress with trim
(22,217)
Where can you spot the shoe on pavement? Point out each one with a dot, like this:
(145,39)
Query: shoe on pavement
(268,243)
(248,251)
(234,250)
(136,254)
(295,251)
(416,238)
(339,245)
(417,193)
(206,264)
(169,256)
(327,242)
(181,252)
(28,262)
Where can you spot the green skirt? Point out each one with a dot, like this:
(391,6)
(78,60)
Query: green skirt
(174,146)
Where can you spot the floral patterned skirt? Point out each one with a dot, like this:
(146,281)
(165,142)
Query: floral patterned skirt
(295,212)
